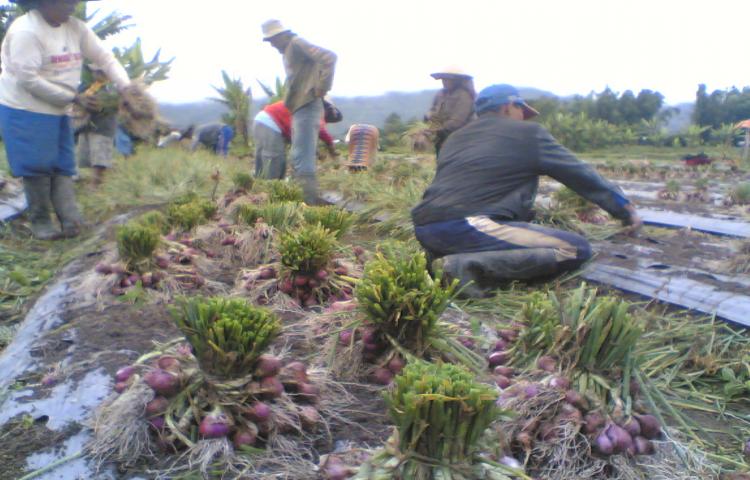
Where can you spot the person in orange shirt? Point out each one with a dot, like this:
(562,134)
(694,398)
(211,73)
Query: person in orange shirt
(272,132)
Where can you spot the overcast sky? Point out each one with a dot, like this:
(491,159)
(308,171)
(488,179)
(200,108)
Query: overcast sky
(562,46)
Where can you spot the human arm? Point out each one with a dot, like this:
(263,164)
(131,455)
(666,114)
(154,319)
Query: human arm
(325,61)
(94,50)
(561,164)
(326,138)
(25,60)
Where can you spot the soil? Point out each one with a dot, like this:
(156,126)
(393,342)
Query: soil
(22,437)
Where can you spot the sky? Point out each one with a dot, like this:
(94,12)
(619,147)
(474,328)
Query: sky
(562,46)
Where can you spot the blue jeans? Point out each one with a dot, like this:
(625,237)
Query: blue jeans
(305,128)
(483,234)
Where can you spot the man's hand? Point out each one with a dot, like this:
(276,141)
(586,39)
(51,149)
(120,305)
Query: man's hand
(634,222)
(87,102)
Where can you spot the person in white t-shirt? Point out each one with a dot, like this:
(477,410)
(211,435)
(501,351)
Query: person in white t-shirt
(42,56)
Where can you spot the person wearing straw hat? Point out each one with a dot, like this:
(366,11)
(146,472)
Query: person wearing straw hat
(453,105)
(42,57)
(309,76)
(478,209)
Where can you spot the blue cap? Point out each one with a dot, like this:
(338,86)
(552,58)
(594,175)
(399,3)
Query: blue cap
(502,94)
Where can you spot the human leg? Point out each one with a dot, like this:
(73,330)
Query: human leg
(38,190)
(270,153)
(484,253)
(62,190)
(305,127)
(101,151)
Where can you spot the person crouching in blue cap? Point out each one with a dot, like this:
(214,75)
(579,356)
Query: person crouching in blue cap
(478,209)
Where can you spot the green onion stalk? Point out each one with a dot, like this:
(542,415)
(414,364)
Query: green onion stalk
(136,244)
(592,338)
(404,304)
(228,335)
(440,411)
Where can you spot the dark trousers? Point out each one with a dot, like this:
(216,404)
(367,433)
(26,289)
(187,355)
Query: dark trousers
(518,246)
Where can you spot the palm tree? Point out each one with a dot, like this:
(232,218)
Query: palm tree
(137,67)
(237,99)
(274,96)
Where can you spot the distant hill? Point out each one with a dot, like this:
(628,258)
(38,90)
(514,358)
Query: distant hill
(372,110)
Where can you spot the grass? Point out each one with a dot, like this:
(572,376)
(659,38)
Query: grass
(150,178)
(156,177)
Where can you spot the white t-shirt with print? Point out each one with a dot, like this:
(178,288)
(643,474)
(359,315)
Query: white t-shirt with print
(41,64)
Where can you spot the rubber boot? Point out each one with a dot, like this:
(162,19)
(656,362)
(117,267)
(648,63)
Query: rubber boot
(309,184)
(66,208)
(481,272)
(38,191)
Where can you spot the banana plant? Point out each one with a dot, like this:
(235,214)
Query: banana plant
(274,95)
(138,67)
(237,99)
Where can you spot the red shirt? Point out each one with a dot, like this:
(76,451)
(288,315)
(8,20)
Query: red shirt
(283,118)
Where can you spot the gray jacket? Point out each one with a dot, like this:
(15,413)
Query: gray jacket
(492,167)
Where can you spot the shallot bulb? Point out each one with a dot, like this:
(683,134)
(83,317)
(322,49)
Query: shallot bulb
(382,376)
(267,366)
(396,365)
(650,427)
(163,382)
(259,412)
(603,444)
(245,436)
(643,446)
(157,406)
(215,425)
(547,363)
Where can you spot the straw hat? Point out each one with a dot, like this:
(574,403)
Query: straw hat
(271,28)
(450,72)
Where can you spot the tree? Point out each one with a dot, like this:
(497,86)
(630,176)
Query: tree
(649,104)
(137,67)
(274,96)
(628,109)
(607,106)
(237,99)
(393,129)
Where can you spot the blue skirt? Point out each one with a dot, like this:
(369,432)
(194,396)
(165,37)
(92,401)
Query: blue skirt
(37,143)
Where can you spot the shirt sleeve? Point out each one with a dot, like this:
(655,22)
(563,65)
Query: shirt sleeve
(561,164)
(324,59)
(25,53)
(324,135)
(94,50)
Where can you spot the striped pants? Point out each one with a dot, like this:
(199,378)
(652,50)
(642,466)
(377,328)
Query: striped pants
(499,251)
